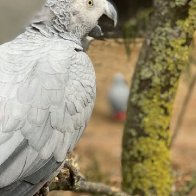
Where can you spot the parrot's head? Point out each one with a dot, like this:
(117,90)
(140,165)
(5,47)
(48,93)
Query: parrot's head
(79,16)
(89,11)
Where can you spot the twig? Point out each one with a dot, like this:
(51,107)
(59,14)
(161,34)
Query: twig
(83,186)
(99,188)
(183,110)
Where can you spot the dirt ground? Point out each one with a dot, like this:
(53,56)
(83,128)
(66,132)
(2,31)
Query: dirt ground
(101,142)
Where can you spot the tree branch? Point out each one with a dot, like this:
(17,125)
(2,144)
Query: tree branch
(83,186)
(69,179)
(183,110)
(90,187)
(189,93)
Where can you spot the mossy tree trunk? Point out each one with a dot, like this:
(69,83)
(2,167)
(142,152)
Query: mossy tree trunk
(146,166)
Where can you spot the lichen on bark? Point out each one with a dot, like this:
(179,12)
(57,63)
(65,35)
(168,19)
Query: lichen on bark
(146,166)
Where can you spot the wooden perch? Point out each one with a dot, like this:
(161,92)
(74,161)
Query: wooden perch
(70,179)
(83,186)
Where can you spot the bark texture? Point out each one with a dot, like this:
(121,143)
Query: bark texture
(146,166)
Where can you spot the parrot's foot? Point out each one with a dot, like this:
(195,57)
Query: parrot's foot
(69,177)
(75,175)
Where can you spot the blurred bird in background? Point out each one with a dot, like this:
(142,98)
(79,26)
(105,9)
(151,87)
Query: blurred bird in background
(118,95)
(47,92)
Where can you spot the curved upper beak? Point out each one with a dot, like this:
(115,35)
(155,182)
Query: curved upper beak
(111,12)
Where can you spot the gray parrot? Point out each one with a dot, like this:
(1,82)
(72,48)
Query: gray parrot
(47,93)
(118,97)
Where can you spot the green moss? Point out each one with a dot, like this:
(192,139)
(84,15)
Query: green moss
(146,173)
(146,156)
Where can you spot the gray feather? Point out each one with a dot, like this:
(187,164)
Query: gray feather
(13,156)
(29,185)
(44,173)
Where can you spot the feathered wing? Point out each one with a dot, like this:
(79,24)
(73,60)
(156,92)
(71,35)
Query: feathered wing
(47,92)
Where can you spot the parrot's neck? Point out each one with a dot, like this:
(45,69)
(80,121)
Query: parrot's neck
(57,17)
(49,31)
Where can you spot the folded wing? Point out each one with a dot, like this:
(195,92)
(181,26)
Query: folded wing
(47,93)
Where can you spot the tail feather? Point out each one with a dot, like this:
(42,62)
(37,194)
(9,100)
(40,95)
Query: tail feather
(32,184)
(21,188)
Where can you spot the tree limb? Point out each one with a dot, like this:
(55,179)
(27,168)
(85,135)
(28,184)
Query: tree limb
(182,113)
(189,93)
(83,186)
(69,179)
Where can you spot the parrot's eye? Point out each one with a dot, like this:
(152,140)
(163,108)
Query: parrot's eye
(90,3)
